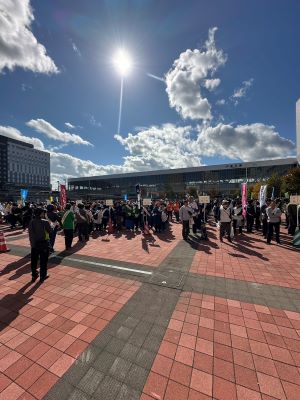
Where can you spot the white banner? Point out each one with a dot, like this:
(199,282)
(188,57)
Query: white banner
(147,202)
(295,199)
(109,202)
(204,199)
(262,195)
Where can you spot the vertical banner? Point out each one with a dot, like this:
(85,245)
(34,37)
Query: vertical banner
(244,198)
(273,193)
(24,194)
(262,195)
(63,196)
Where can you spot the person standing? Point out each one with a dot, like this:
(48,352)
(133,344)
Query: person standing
(82,220)
(39,230)
(238,219)
(250,215)
(68,224)
(274,219)
(225,220)
(185,214)
(55,222)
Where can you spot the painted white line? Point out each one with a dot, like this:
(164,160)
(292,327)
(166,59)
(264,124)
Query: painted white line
(104,265)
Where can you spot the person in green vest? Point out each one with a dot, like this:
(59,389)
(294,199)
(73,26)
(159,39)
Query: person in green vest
(68,224)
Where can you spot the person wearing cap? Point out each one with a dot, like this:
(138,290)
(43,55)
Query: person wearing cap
(225,220)
(39,231)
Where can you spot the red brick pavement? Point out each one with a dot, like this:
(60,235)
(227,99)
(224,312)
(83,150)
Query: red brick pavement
(222,349)
(44,328)
(136,248)
(249,258)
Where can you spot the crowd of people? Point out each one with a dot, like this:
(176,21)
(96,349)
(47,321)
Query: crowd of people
(44,221)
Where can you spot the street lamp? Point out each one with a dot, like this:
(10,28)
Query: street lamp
(123,65)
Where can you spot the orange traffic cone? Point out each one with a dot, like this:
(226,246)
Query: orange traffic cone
(3,247)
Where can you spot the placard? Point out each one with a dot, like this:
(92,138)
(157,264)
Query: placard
(295,199)
(78,202)
(109,202)
(204,199)
(147,202)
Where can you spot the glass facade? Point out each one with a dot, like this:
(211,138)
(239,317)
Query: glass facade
(215,180)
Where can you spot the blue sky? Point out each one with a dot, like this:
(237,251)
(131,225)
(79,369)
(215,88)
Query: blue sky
(250,64)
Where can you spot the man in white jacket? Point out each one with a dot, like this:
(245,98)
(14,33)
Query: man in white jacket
(225,220)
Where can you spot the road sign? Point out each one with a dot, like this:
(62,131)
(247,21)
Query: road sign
(204,199)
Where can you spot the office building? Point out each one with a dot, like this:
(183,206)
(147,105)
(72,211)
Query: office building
(23,167)
(213,180)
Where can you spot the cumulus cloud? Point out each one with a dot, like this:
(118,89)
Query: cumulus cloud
(183,80)
(241,91)
(220,102)
(211,84)
(244,142)
(14,133)
(42,126)
(18,45)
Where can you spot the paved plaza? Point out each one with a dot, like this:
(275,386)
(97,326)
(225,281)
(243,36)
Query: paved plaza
(134,317)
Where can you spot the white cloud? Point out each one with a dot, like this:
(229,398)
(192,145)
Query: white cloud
(220,102)
(242,91)
(42,126)
(18,45)
(244,142)
(211,84)
(25,87)
(14,133)
(75,48)
(69,125)
(188,72)
(93,121)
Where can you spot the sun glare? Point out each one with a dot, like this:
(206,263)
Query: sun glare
(122,62)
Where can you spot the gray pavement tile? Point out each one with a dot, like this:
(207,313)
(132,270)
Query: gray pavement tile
(78,395)
(123,333)
(129,352)
(89,355)
(90,381)
(102,340)
(137,339)
(120,368)
(136,377)
(152,343)
(104,361)
(108,389)
(115,346)
(76,372)
(61,390)
(145,358)
(131,322)
(127,393)
(157,331)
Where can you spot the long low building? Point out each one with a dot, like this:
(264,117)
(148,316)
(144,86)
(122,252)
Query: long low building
(213,180)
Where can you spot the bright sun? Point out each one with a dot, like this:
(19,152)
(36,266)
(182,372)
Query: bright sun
(122,62)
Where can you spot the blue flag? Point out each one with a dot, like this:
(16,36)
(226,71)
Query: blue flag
(125,197)
(24,194)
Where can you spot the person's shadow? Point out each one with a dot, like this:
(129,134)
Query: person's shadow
(20,267)
(14,302)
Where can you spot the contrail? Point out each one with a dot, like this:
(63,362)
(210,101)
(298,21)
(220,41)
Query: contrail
(158,78)
(121,104)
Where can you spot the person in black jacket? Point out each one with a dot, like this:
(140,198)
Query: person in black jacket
(250,215)
(39,231)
